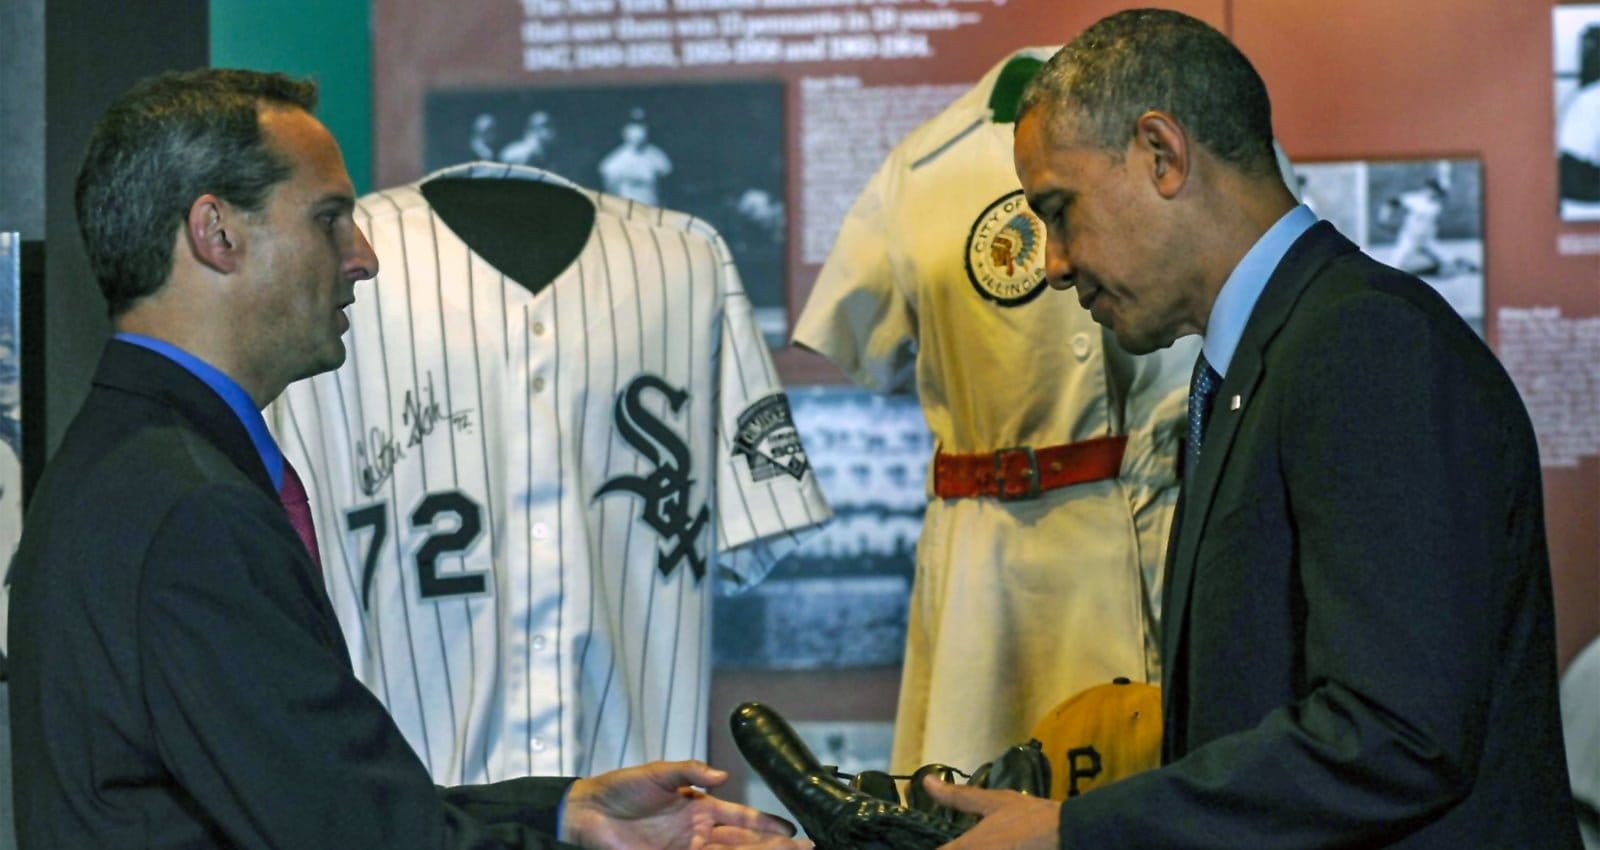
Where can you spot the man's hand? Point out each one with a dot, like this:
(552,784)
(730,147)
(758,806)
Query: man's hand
(1011,821)
(739,838)
(659,806)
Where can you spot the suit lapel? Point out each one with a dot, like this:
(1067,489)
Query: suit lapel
(1289,281)
(131,368)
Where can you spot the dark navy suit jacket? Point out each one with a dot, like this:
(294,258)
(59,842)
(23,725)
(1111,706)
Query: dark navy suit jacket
(179,679)
(1358,635)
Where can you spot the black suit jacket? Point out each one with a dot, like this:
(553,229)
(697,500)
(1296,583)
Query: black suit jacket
(178,676)
(1358,631)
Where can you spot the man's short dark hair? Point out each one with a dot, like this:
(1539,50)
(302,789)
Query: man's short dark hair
(1143,59)
(168,140)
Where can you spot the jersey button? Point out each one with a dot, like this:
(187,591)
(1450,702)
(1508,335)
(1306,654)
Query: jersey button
(1080,346)
(540,531)
(538,385)
(538,328)
(538,745)
(538,643)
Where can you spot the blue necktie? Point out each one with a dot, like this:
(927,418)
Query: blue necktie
(1202,394)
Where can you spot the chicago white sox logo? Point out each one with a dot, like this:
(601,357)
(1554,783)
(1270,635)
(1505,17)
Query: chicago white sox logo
(666,489)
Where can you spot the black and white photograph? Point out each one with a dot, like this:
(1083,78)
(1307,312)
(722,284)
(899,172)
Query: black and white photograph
(714,150)
(1576,53)
(10,393)
(1422,216)
(840,601)
(10,407)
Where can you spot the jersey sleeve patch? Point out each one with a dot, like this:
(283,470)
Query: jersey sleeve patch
(767,440)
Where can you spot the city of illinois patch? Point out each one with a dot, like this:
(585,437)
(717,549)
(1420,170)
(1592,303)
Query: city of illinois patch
(767,440)
(1005,252)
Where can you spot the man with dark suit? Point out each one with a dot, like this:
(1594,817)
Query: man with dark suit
(1357,626)
(179,678)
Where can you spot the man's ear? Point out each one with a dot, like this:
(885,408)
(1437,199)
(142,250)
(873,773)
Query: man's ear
(213,233)
(1160,143)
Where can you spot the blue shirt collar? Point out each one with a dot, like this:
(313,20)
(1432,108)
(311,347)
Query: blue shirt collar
(229,390)
(1243,287)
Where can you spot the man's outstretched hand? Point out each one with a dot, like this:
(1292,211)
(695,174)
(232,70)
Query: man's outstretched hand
(661,806)
(1011,821)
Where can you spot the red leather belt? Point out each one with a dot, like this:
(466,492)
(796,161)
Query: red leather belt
(1023,472)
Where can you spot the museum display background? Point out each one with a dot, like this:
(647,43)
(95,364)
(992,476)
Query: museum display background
(1432,78)
(1378,80)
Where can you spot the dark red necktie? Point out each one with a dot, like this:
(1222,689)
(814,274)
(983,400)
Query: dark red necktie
(293,496)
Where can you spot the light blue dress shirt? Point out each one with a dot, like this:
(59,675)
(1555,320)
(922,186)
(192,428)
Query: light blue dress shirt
(1243,287)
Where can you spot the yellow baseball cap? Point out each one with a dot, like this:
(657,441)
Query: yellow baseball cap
(1100,735)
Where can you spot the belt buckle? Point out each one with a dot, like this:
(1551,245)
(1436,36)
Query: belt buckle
(1032,475)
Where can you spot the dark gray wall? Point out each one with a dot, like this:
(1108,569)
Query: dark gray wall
(22,117)
(93,51)
(59,68)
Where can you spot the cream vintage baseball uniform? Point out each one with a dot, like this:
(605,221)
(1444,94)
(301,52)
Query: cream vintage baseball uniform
(524,490)
(936,282)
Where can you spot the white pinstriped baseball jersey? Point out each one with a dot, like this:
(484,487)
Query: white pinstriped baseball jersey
(522,499)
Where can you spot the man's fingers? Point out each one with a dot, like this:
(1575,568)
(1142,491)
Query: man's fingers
(725,813)
(978,801)
(673,774)
(739,838)
(724,834)
(684,775)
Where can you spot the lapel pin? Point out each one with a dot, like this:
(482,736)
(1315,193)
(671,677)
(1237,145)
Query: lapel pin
(1235,403)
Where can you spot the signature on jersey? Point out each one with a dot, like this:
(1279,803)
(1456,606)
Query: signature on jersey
(421,415)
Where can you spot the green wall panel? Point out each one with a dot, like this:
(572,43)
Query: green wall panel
(328,41)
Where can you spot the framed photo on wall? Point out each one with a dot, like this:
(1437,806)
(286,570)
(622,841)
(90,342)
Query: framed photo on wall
(645,143)
(1423,216)
(10,393)
(10,410)
(1576,53)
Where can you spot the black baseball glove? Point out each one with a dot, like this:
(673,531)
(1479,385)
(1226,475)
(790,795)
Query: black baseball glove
(835,816)
(1022,768)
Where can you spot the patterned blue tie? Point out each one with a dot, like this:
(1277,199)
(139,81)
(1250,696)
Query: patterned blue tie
(1202,394)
